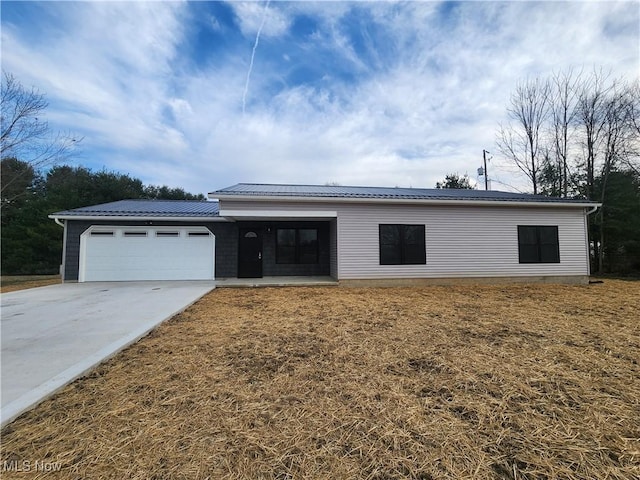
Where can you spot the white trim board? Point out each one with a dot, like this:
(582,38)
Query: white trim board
(274,214)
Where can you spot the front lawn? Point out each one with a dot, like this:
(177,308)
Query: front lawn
(12,283)
(483,382)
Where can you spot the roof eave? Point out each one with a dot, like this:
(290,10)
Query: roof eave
(416,201)
(111,218)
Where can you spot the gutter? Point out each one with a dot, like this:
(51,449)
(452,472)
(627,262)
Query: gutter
(593,209)
(283,198)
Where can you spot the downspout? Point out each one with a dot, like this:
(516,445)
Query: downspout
(63,224)
(586,234)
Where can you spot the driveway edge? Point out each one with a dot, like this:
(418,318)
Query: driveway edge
(32,398)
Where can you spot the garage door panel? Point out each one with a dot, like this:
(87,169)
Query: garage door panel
(147,254)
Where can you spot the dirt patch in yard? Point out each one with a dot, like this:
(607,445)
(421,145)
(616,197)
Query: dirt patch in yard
(483,382)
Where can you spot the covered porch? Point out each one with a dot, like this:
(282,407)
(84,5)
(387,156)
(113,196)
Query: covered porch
(300,246)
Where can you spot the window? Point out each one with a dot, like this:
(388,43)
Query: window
(402,245)
(286,245)
(198,234)
(101,233)
(297,245)
(538,244)
(307,245)
(167,234)
(135,234)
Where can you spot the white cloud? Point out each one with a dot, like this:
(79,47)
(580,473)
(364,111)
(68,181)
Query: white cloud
(181,109)
(105,76)
(250,15)
(409,125)
(214,24)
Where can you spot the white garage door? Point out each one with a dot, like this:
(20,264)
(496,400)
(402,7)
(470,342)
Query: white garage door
(146,253)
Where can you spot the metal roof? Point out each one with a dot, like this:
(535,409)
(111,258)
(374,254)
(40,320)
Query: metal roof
(344,192)
(195,209)
(146,208)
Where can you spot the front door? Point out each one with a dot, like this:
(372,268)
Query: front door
(250,253)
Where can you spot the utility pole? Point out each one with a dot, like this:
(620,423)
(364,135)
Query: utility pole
(486,177)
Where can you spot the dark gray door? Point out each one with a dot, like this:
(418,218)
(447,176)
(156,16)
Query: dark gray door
(250,253)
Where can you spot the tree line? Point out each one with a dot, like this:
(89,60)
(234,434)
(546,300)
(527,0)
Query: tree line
(31,242)
(577,134)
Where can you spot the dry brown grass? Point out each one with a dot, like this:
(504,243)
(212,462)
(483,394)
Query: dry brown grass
(484,382)
(12,283)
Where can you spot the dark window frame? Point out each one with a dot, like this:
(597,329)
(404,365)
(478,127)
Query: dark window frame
(534,246)
(299,251)
(404,251)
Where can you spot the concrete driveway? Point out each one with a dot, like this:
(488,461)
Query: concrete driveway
(53,335)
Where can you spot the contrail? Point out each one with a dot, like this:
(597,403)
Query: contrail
(253,54)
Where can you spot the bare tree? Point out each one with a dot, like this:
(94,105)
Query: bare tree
(632,159)
(520,140)
(550,176)
(592,106)
(563,107)
(634,114)
(614,149)
(23,133)
(610,138)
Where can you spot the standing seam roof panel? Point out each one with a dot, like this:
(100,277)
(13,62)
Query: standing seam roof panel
(177,208)
(330,191)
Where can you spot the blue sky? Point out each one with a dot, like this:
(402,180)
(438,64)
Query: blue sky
(359,93)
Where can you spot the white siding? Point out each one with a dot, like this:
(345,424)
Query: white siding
(461,241)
